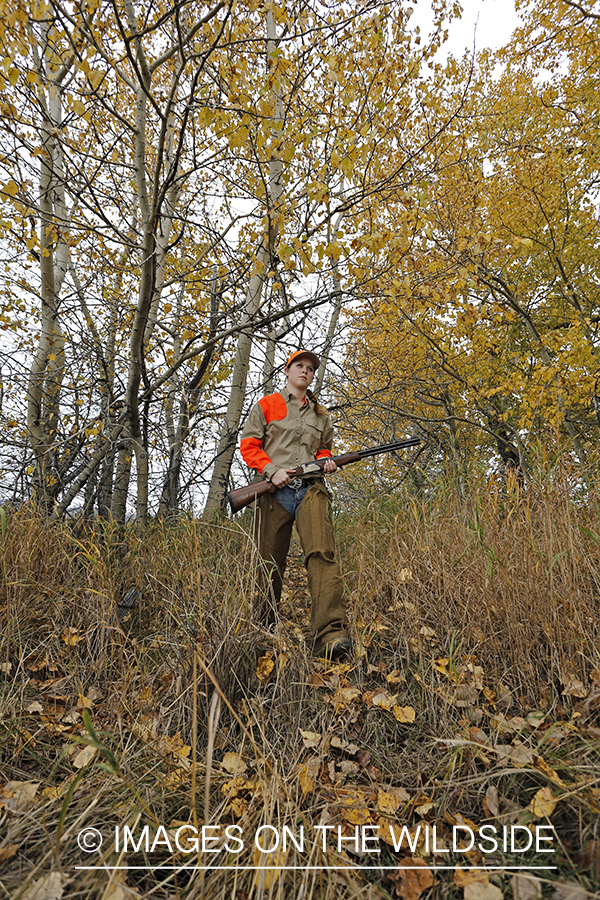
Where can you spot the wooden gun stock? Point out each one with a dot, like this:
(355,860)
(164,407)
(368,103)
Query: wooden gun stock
(240,497)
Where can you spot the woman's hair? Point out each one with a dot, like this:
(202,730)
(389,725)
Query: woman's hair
(319,408)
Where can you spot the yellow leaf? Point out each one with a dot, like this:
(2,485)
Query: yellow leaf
(550,773)
(462,877)
(404,714)
(265,878)
(238,139)
(79,107)
(71,636)
(307,775)
(264,668)
(389,802)
(544,803)
(354,808)
(95,77)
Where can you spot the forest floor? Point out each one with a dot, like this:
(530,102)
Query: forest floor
(173,748)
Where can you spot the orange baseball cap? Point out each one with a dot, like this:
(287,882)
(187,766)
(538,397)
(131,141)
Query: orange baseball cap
(298,353)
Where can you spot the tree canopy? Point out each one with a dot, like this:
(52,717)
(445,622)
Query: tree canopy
(191,191)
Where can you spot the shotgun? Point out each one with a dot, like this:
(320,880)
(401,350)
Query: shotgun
(241,497)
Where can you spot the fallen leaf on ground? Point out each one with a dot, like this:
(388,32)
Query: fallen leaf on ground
(84,702)
(521,755)
(84,757)
(480,891)
(544,803)
(383,699)
(266,878)
(404,714)
(543,766)
(35,707)
(424,808)
(311,739)
(476,675)
(341,744)
(411,878)
(18,796)
(354,807)
(590,859)
(490,802)
(385,834)
(389,802)
(536,718)
(569,890)
(346,695)
(264,668)
(234,764)
(8,852)
(464,695)
(463,877)
(71,636)
(307,775)
(526,887)
(572,686)
(50,887)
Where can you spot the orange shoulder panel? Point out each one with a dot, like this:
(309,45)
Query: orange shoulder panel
(274,408)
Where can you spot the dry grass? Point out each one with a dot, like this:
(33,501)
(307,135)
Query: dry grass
(482,617)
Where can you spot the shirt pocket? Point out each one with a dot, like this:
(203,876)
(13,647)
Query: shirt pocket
(314,436)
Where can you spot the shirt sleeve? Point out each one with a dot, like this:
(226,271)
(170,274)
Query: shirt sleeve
(324,449)
(251,444)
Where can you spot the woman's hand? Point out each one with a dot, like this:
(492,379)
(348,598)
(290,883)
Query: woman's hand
(281,478)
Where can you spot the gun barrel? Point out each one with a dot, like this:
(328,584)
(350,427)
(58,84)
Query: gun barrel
(241,497)
(390,448)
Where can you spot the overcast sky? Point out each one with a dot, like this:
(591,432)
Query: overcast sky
(489,22)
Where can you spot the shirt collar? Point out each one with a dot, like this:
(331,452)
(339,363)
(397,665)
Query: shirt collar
(288,396)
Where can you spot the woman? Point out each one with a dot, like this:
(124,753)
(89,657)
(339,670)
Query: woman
(283,431)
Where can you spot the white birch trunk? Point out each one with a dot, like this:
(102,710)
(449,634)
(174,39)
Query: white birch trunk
(231,422)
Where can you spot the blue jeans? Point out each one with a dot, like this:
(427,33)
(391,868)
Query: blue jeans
(290,497)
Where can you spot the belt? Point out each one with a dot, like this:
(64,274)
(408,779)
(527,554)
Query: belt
(297,483)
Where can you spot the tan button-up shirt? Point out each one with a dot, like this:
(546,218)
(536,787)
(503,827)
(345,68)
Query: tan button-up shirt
(280,435)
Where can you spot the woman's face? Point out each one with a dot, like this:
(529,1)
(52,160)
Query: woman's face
(300,374)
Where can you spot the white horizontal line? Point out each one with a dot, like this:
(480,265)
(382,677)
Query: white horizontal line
(321,868)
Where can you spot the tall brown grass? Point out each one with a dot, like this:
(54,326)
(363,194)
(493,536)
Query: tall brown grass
(505,582)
